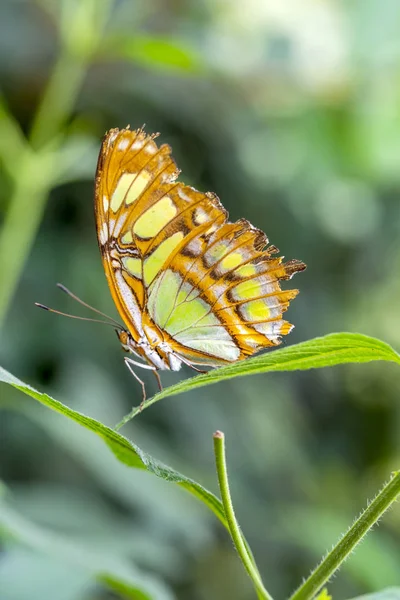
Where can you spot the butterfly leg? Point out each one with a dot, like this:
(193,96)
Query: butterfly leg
(160,387)
(191,365)
(127,362)
(197,370)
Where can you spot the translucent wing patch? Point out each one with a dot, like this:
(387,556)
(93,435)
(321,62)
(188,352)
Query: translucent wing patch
(190,322)
(174,262)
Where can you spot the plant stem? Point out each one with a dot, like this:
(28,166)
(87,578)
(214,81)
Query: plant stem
(21,222)
(31,187)
(81,28)
(58,99)
(12,141)
(220,460)
(349,541)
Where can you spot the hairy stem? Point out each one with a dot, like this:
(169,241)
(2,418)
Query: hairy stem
(349,541)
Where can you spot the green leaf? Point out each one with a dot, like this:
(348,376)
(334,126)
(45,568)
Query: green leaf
(114,571)
(328,351)
(125,450)
(392,593)
(157,53)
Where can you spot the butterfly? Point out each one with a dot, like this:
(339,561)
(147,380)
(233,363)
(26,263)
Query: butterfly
(190,286)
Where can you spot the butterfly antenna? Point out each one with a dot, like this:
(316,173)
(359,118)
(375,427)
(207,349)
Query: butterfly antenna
(69,293)
(58,312)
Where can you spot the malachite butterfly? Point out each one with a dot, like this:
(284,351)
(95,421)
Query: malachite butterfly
(190,286)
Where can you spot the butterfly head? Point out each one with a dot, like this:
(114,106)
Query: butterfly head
(125,339)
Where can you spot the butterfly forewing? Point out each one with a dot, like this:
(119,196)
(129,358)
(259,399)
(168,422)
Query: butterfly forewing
(172,258)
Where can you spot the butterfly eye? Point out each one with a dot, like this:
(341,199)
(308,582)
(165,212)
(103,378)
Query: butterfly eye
(123,337)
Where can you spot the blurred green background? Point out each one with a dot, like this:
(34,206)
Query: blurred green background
(290,111)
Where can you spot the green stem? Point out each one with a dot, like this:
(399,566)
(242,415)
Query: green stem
(58,99)
(220,460)
(12,141)
(79,39)
(81,28)
(31,188)
(349,541)
(21,223)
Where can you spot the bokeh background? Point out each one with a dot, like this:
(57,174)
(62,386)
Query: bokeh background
(289,111)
